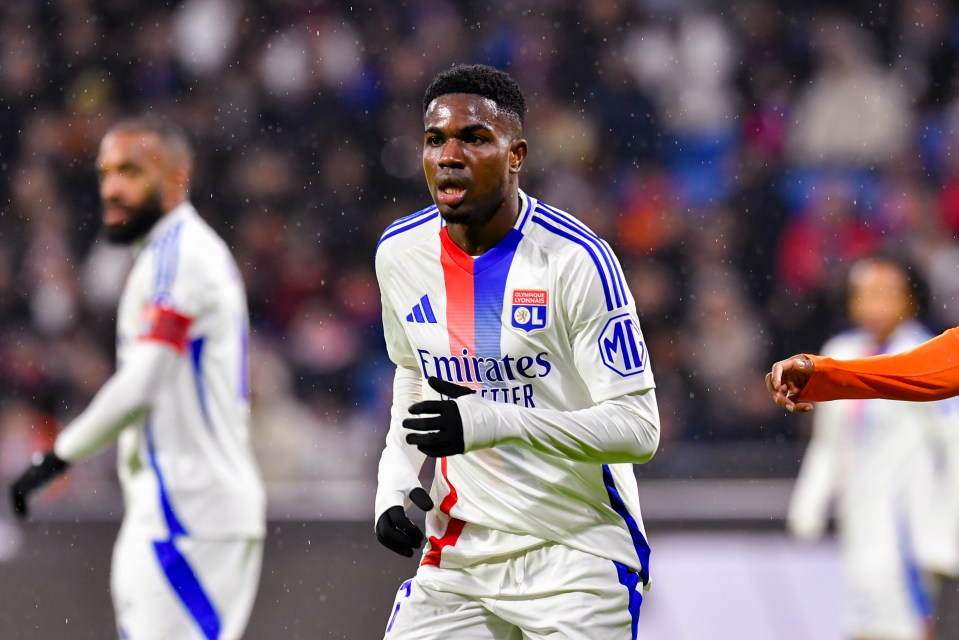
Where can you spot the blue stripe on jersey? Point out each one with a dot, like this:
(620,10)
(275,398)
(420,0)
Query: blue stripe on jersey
(188,588)
(639,541)
(168,255)
(630,580)
(244,391)
(196,357)
(526,210)
(921,600)
(490,271)
(172,521)
(407,223)
(592,254)
(577,227)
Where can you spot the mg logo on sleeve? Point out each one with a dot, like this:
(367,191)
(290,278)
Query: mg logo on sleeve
(529,310)
(621,346)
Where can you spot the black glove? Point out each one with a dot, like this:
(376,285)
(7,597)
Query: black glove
(396,531)
(43,469)
(446,425)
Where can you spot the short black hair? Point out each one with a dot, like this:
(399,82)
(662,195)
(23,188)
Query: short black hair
(918,288)
(171,135)
(482,80)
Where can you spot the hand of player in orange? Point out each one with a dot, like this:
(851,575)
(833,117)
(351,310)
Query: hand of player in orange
(787,379)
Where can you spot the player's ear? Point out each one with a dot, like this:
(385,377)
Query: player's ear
(517,153)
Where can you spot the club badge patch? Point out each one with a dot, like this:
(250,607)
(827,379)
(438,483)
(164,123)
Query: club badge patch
(530,309)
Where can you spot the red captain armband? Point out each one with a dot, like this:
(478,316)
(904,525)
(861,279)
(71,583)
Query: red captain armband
(166,325)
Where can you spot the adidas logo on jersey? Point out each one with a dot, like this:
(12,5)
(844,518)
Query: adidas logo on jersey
(422,312)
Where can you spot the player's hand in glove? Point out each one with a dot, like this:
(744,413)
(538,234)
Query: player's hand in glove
(44,468)
(396,531)
(443,426)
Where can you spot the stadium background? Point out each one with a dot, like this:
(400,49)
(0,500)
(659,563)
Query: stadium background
(738,155)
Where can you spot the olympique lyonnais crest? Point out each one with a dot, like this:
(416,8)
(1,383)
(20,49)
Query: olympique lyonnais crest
(529,311)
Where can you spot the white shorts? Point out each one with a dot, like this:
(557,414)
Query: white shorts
(551,591)
(887,594)
(184,588)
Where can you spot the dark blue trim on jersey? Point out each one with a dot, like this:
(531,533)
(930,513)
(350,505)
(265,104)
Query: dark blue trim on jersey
(918,594)
(574,225)
(244,391)
(409,222)
(527,210)
(490,272)
(196,357)
(172,521)
(630,579)
(592,254)
(188,588)
(168,255)
(639,541)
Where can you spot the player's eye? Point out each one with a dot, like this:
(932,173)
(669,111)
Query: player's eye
(433,141)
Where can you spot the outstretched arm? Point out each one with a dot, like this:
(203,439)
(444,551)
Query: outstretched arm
(930,371)
(125,397)
(623,429)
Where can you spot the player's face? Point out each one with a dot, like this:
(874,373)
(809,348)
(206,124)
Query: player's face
(471,153)
(131,166)
(879,299)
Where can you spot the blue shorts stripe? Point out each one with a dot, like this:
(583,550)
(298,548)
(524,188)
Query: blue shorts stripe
(188,588)
(630,579)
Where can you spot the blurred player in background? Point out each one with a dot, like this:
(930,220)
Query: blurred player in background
(897,508)
(187,560)
(521,367)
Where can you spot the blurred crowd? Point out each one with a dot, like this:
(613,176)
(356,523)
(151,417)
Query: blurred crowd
(739,156)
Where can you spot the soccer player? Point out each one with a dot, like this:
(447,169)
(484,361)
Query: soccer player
(520,367)
(896,508)
(186,563)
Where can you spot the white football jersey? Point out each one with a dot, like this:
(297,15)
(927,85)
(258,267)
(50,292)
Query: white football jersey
(186,467)
(543,320)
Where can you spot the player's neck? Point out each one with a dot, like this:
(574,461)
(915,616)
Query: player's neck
(477,238)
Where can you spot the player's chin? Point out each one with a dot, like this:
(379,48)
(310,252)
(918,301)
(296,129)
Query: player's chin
(454,216)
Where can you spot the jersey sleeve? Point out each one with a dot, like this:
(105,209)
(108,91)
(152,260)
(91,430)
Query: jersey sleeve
(397,344)
(122,400)
(609,354)
(930,371)
(609,350)
(400,462)
(182,288)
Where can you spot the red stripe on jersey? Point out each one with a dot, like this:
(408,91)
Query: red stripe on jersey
(458,276)
(453,528)
(166,325)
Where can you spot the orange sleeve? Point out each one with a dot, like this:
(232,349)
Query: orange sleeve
(930,371)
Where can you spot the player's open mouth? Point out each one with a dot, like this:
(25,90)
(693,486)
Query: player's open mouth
(450,195)
(115,215)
